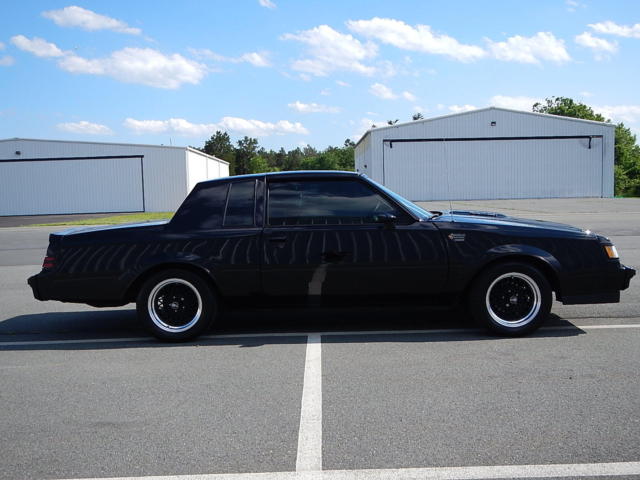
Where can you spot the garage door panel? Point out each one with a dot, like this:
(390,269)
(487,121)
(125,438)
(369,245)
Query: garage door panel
(71,186)
(493,169)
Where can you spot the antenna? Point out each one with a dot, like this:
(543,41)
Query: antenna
(446,169)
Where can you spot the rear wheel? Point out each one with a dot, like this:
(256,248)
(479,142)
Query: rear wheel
(511,299)
(176,305)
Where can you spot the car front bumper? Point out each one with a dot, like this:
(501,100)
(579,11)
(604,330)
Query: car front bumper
(615,282)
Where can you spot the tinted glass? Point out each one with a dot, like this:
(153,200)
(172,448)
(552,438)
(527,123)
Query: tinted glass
(203,208)
(333,202)
(241,204)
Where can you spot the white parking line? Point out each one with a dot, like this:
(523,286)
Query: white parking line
(310,433)
(151,341)
(575,470)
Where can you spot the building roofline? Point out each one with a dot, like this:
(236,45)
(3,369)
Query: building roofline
(195,150)
(213,157)
(536,114)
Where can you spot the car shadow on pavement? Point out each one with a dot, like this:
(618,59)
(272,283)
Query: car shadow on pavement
(119,328)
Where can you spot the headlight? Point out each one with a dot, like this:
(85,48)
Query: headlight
(611,251)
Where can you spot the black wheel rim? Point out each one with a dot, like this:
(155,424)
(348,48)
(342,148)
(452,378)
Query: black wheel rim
(513,299)
(174,305)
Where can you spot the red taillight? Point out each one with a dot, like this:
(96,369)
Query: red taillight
(49,262)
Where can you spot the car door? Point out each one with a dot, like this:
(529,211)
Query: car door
(339,236)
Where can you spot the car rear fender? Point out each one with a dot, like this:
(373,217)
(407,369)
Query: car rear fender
(192,263)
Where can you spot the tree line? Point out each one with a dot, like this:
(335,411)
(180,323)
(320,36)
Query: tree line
(246,156)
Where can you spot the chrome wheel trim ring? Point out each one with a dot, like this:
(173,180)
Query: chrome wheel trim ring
(533,311)
(156,318)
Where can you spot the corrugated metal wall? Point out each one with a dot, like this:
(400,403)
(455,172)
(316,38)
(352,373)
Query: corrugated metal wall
(493,169)
(541,168)
(97,184)
(49,187)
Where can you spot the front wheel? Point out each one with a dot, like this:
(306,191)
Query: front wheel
(176,305)
(511,299)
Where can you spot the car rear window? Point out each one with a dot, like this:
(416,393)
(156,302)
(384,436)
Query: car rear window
(203,209)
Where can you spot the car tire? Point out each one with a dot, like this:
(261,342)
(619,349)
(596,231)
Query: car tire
(176,305)
(511,299)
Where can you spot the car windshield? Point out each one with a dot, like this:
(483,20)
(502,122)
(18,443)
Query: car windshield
(419,212)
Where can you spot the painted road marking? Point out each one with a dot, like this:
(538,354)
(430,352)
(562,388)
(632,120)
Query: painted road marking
(439,473)
(152,341)
(310,433)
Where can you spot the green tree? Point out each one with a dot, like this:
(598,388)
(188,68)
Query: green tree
(259,164)
(245,150)
(219,145)
(627,151)
(417,116)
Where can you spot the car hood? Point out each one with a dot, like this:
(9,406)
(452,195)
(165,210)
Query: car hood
(501,220)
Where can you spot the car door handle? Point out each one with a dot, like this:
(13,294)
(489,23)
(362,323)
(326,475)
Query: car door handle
(278,239)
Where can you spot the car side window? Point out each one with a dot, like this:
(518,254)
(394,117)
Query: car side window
(203,209)
(240,204)
(325,202)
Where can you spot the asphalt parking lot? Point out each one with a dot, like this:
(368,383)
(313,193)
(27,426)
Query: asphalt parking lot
(377,393)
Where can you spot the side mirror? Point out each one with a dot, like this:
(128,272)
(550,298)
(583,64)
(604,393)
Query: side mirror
(387,219)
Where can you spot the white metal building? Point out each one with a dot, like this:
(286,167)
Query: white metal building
(491,153)
(56,177)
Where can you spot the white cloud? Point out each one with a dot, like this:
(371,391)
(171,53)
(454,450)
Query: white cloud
(409,96)
(85,128)
(257,59)
(312,107)
(180,126)
(541,46)
(325,92)
(259,128)
(382,91)
(586,94)
(419,109)
(38,46)
(145,66)
(600,46)
(420,38)
(461,108)
(612,28)
(618,113)
(515,103)
(572,5)
(74,16)
(139,65)
(364,125)
(267,3)
(342,84)
(7,61)
(330,50)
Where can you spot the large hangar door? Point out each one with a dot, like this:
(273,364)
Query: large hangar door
(71,185)
(479,169)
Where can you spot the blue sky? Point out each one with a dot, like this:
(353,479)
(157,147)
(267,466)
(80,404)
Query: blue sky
(292,72)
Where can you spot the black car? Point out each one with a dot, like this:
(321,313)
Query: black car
(321,237)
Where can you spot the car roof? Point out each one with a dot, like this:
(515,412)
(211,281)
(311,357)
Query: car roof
(288,174)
